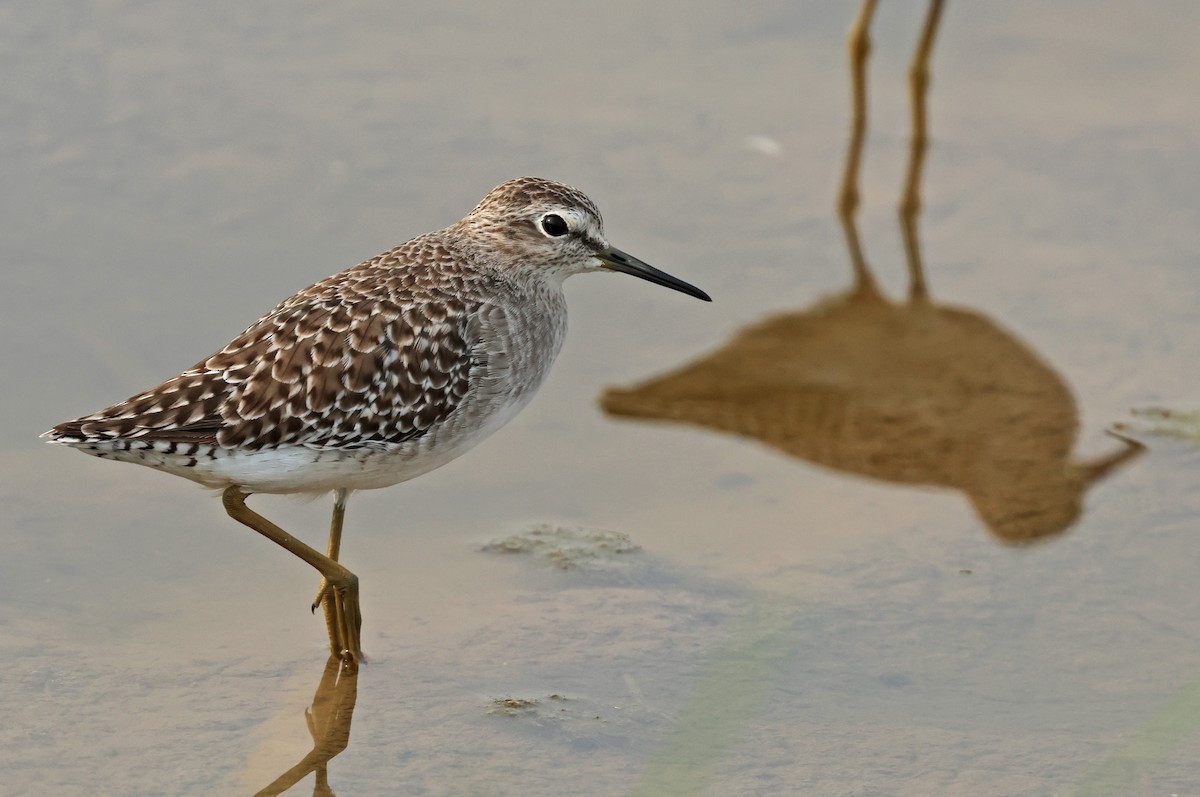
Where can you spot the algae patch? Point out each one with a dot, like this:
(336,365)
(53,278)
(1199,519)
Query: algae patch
(567,547)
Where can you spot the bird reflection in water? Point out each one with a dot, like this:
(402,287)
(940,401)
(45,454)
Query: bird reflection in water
(329,725)
(911,392)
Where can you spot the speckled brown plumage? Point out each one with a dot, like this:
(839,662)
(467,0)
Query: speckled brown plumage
(375,375)
(389,368)
(375,354)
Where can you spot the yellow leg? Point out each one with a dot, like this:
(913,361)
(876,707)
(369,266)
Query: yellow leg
(344,619)
(910,203)
(335,543)
(859,46)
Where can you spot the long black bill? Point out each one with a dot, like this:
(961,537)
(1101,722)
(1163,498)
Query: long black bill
(615,259)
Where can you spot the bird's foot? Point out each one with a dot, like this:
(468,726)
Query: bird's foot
(343,618)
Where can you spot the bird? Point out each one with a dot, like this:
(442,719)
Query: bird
(915,392)
(375,375)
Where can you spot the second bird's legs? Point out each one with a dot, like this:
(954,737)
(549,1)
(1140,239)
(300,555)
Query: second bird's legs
(343,618)
(859,48)
(910,202)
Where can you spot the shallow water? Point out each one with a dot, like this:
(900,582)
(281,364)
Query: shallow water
(809,617)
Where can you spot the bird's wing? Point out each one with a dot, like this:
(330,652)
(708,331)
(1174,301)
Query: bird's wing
(316,371)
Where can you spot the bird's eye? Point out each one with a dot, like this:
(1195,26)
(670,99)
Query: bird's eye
(554,225)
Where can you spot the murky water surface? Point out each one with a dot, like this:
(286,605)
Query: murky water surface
(871,547)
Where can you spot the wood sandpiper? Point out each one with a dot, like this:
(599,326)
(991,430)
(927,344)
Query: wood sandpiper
(376,375)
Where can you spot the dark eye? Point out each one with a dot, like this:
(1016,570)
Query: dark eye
(553,225)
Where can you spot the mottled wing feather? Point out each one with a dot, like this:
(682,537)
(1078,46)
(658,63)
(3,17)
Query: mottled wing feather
(189,401)
(317,371)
